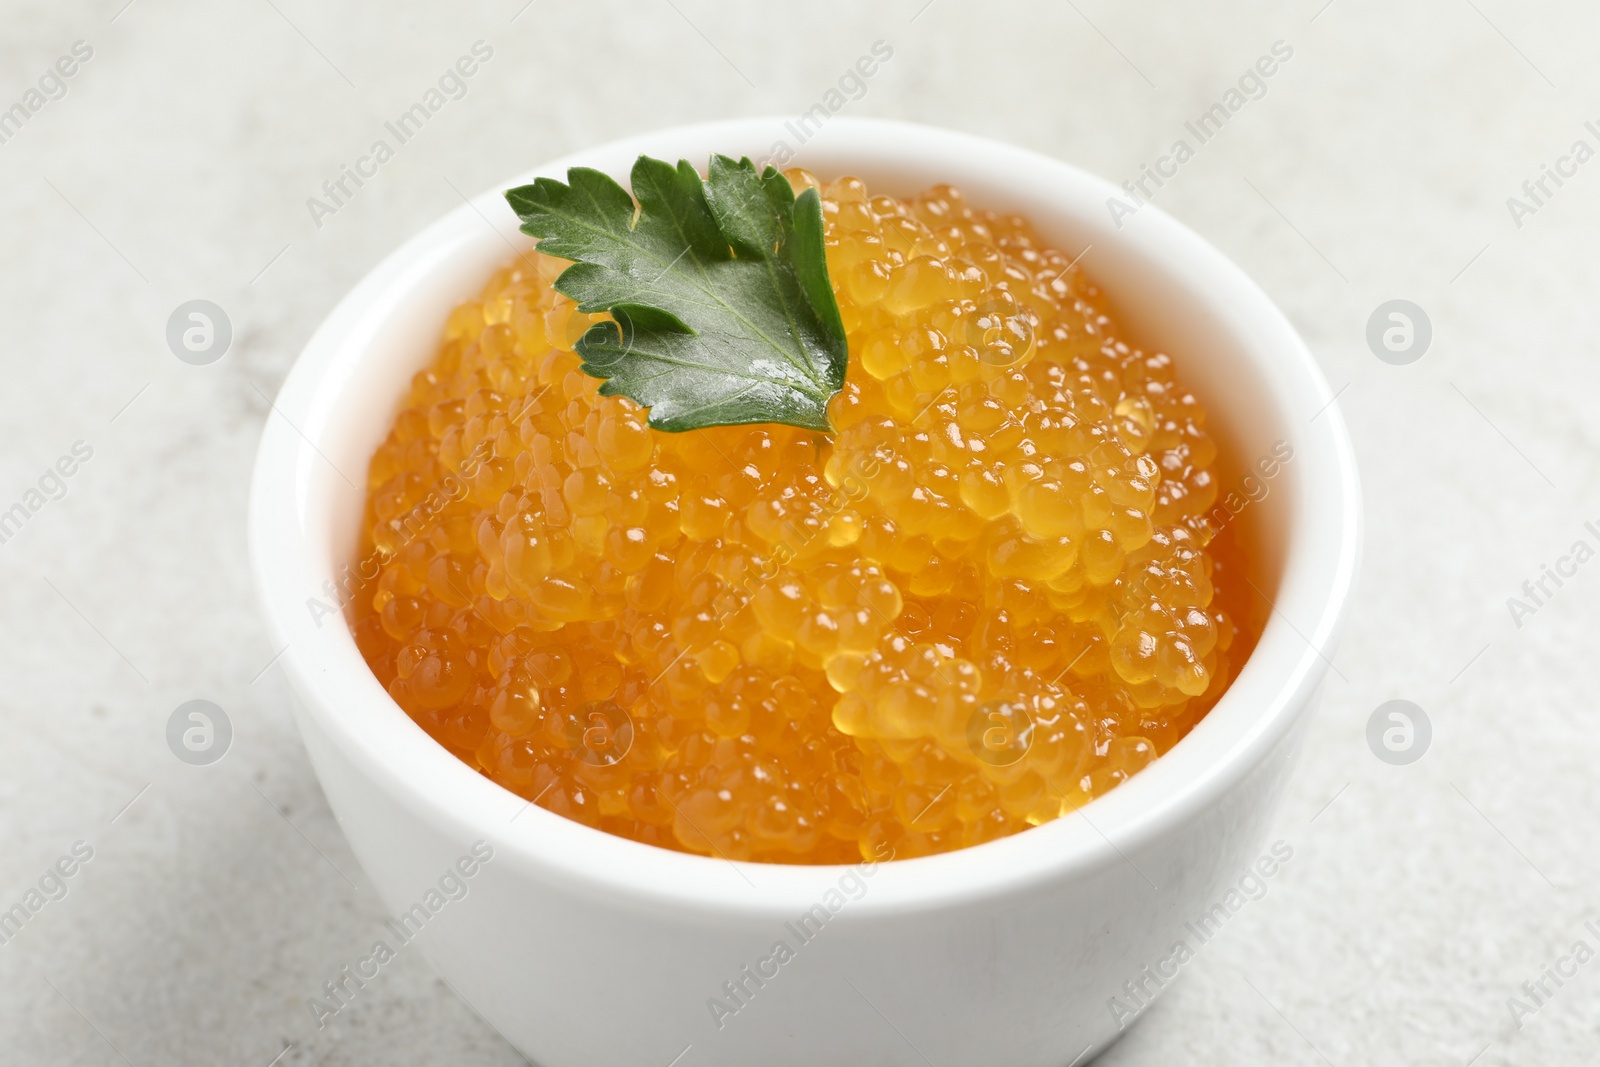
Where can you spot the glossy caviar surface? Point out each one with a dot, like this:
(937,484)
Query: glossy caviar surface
(990,596)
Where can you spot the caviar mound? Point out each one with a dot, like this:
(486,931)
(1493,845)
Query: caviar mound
(990,596)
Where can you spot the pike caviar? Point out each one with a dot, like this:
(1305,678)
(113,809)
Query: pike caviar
(989,597)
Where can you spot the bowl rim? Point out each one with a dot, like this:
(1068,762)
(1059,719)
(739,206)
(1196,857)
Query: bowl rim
(341,699)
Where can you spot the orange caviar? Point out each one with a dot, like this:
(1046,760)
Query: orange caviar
(991,595)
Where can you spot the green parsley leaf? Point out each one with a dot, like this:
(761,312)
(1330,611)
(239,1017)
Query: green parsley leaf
(719,290)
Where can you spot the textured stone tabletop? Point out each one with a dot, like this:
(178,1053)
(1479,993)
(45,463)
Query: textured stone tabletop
(165,152)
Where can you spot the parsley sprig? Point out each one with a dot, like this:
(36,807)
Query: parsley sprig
(721,309)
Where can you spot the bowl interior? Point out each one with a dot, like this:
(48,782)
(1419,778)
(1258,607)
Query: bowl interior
(1170,290)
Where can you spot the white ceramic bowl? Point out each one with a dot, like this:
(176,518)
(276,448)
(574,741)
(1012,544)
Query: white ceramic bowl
(587,949)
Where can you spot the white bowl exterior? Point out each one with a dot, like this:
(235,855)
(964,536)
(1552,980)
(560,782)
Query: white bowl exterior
(585,948)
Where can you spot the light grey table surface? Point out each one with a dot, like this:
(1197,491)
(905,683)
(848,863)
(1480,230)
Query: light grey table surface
(1377,165)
